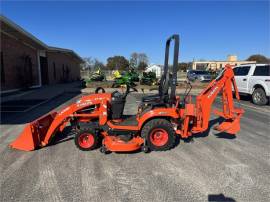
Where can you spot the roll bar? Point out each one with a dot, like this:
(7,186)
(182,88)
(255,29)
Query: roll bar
(168,81)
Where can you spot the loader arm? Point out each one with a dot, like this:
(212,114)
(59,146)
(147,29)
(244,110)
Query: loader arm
(39,132)
(223,83)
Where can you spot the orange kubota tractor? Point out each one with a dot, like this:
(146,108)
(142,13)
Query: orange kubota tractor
(98,119)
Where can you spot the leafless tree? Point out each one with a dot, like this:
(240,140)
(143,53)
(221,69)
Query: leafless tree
(134,61)
(138,60)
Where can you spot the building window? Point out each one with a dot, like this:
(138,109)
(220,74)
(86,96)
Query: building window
(3,79)
(54,71)
(220,66)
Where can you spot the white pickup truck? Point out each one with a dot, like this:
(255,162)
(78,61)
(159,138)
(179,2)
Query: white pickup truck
(254,80)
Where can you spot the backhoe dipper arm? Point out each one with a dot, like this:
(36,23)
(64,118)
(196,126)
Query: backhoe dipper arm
(204,101)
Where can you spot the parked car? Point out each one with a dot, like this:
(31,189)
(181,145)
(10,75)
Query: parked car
(200,75)
(254,80)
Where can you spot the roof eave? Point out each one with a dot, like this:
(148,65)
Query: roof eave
(51,48)
(22,31)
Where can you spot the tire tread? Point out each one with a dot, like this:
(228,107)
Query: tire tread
(159,122)
(86,130)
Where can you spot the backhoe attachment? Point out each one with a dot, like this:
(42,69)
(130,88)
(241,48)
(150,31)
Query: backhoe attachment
(224,83)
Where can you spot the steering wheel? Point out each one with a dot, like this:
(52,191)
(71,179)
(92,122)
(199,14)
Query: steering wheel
(98,89)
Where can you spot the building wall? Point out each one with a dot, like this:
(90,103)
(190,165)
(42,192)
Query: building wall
(154,68)
(62,68)
(216,65)
(232,58)
(14,53)
(15,76)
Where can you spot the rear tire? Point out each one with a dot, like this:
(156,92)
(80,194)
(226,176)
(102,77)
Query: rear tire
(86,139)
(159,134)
(259,97)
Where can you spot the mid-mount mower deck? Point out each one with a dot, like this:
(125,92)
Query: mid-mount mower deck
(97,119)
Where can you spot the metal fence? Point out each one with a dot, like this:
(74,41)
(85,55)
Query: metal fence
(85,74)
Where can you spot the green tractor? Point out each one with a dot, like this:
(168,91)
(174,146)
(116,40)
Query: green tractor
(134,76)
(97,76)
(149,79)
(125,78)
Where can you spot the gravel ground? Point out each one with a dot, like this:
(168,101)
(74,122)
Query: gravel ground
(209,168)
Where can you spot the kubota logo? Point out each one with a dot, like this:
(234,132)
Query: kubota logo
(83,104)
(212,92)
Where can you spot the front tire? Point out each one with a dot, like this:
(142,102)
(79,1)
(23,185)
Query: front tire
(259,97)
(159,134)
(86,139)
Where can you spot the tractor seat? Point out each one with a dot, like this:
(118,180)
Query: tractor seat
(117,105)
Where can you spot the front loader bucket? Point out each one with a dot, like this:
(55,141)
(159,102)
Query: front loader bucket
(231,126)
(34,133)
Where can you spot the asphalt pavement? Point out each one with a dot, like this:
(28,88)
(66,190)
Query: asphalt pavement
(212,167)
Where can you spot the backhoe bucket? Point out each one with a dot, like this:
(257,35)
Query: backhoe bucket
(34,133)
(228,126)
(231,126)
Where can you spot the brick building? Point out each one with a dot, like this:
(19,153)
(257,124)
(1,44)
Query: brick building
(218,65)
(28,62)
